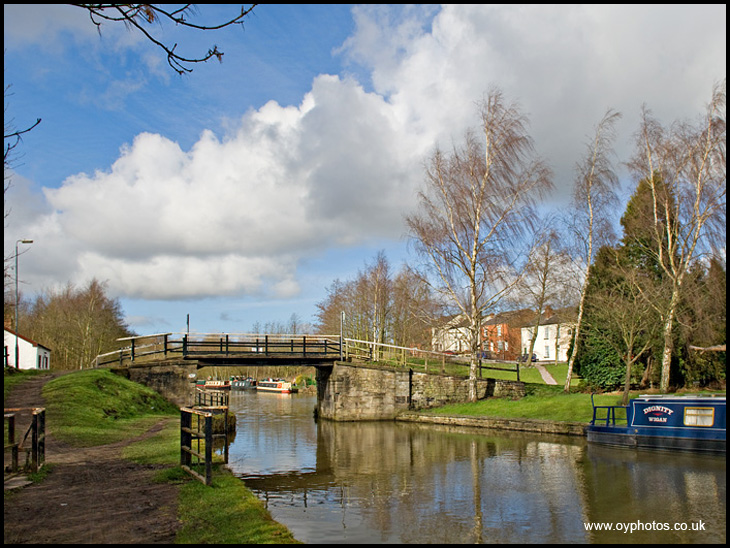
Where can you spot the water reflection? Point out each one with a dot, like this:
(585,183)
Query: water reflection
(408,483)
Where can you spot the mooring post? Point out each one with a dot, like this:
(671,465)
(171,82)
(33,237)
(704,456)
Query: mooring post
(208,449)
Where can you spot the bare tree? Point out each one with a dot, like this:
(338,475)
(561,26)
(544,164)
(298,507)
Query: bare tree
(685,167)
(594,192)
(546,278)
(474,211)
(142,16)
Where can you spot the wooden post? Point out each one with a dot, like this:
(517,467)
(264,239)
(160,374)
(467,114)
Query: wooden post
(208,449)
(38,440)
(185,437)
(10,417)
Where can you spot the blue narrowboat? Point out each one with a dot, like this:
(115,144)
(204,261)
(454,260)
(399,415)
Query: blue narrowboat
(678,423)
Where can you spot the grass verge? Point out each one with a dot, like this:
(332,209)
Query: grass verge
(541,402)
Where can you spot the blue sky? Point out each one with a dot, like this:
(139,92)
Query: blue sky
(239,192)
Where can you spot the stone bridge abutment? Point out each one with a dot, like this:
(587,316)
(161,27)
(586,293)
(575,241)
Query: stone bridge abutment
(354,392)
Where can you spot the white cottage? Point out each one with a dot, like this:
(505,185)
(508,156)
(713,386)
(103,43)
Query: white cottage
(31,355)
(452,336)
(553,336)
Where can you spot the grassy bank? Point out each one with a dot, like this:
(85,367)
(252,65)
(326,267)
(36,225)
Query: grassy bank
(96,407)
(541,402)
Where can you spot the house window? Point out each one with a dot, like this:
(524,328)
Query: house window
(547,352)
(699,416)
(547,332)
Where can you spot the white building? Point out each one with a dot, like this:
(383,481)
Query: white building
(553,336)
(31,355)
(452,336)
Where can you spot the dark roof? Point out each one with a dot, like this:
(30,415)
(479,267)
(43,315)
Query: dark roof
(26,339)
(515,318)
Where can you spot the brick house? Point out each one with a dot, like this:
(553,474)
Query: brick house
(502,334)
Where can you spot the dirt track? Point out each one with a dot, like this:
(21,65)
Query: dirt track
(92,495)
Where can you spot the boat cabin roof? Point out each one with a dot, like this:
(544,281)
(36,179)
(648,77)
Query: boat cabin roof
(686,397)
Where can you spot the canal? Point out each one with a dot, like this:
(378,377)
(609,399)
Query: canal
(389,482)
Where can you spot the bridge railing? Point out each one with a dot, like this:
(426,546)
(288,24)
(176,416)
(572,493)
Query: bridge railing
(267,345)
(226,344)
(139,347)
(408,357)
(397,355)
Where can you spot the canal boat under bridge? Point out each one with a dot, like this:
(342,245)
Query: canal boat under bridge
(678,423)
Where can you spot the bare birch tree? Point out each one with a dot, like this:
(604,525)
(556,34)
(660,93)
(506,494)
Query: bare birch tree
(684,166)
(547,279)
(594,192)
(474,211)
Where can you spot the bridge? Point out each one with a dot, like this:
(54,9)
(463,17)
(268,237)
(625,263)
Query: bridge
(356,380)
(207,349)
(228,349)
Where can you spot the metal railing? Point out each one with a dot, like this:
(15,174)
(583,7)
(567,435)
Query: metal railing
(266,345)
(227,344)
(610,418)
(402,356)
(273,345)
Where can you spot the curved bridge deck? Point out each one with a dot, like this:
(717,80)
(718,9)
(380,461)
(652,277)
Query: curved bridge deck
(228,349)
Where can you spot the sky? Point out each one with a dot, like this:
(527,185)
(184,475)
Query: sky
(238,193)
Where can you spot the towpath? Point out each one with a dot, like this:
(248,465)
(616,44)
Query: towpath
(91,495)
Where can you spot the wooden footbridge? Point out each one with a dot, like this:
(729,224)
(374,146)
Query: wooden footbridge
(228,349)
(261,349)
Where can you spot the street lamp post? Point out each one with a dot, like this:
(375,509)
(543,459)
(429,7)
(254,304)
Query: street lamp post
(17,353)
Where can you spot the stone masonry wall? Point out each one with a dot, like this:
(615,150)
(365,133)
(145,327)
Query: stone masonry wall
(352,393)
(168,378)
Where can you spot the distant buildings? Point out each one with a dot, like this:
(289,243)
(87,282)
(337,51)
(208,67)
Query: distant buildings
(31,354)
(553,335)
(452,335)
(507,335)
(502,334)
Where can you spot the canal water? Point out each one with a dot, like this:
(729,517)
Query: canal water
(389,482)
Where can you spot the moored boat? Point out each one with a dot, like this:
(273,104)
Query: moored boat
(217,385)
(240,383)
(677,423)
(276,385)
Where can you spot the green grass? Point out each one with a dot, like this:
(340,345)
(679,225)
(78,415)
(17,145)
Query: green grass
(96,407)
(226,513)
(541,402)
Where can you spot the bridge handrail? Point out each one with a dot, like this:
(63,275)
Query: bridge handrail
(228,343)
(386,352)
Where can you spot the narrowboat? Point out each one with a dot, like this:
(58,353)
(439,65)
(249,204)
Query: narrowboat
(276,385)
(676,423)
(217,385)
(239,383)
